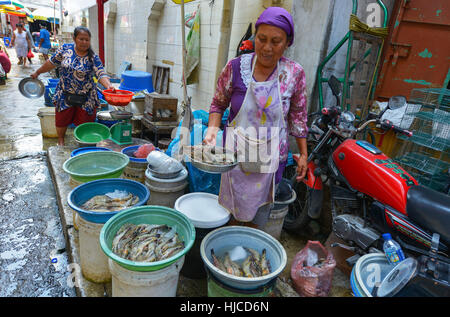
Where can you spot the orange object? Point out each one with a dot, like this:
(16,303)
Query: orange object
(118,97)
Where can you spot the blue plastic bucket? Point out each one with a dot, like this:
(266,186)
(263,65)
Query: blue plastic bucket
(133,80)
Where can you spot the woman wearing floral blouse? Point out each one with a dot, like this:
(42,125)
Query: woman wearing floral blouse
(263,90)
(75,97)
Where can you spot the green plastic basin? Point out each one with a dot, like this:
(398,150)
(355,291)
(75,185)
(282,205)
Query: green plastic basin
(91,132)
(149,215)
(96,165)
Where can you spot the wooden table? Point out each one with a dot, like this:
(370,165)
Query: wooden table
(159,127)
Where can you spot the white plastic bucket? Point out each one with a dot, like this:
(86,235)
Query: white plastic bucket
(160,283)
(278,212)
(165,192)
(94,263)
(47,118)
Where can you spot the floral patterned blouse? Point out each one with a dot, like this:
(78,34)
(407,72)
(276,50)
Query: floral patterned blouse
(233,82)
(76,77)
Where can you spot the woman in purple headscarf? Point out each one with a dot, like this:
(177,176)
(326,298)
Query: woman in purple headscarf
(263,89)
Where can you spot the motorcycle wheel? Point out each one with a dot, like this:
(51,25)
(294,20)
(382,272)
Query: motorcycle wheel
(297,217)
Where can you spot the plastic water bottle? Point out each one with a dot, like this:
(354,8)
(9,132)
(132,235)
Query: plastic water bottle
(392,250)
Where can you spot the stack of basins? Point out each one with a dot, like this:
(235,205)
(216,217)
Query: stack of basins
(166,188)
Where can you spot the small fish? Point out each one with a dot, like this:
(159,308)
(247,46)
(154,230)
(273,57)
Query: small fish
(231,267)
(264,263)
(217,262)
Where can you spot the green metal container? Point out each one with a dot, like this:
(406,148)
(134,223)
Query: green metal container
(158,215)
(91,132)
(96,165)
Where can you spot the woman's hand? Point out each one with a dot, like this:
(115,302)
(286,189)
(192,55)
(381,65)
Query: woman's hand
(210,138)
(302,167)
(34,75)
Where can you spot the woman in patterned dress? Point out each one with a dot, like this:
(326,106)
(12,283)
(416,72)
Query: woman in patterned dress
(75,96)
(251,85)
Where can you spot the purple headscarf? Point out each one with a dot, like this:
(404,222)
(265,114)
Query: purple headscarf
(278,17)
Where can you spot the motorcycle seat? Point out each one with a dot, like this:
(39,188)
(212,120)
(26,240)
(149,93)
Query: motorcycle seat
(430,209)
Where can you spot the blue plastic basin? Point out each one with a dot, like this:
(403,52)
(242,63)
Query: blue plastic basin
(82,150)
(130,152)
(133,80)
(82,193)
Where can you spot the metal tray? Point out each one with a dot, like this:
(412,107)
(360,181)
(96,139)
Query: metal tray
(31,88)
(213,168)
(121,115)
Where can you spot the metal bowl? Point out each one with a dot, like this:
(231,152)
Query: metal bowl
(214,168)
(31,88)
(163,175)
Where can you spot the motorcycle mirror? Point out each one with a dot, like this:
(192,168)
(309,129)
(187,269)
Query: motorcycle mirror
(396,102)
(335,86)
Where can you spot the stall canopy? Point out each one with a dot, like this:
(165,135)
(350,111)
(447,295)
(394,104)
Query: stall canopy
(46,14)
(15,8)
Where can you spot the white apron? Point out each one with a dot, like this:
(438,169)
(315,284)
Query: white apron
(256,133)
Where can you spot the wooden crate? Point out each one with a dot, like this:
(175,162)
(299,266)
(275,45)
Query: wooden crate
(160,107)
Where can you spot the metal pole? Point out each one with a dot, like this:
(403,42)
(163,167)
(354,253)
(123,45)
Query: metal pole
(183,40)
(54,19)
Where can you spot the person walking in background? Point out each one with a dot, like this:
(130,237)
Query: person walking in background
(44,42)
(26,27)
(9,29)
(22,43)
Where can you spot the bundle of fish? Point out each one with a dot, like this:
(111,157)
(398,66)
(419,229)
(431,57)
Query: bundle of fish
(211,155)
(255,265)
(102,203)
(146,243)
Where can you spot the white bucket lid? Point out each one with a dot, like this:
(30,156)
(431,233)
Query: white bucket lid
(203,210)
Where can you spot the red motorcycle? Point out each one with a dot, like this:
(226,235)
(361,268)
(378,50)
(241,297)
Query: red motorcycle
(370,193)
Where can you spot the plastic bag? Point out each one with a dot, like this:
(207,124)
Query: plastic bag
(30,54)
(144,150)
(312,270)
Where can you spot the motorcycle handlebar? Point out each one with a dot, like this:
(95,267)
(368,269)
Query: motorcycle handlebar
(388,125)
(331,111)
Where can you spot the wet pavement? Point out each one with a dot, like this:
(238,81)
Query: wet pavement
(33,257)
(39,248)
